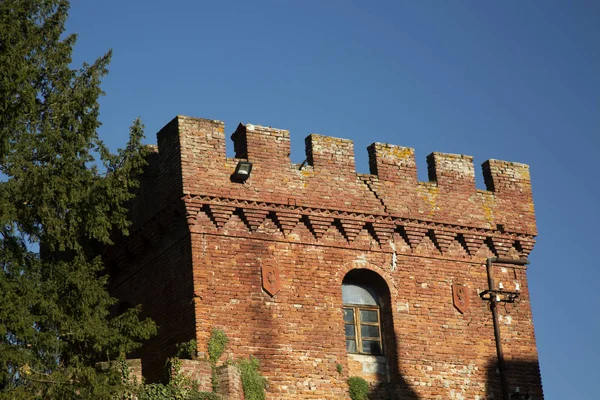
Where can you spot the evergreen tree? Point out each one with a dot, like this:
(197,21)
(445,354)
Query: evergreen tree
(62,195)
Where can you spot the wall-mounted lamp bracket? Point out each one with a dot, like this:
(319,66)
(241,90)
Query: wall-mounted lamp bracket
(499,296)
(495,296)
(242,171)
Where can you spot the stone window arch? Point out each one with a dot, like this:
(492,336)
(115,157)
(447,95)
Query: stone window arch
(366,300)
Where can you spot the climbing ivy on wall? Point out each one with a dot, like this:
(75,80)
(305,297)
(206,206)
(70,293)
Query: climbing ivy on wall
(216,346)
(252,381)
(181,387)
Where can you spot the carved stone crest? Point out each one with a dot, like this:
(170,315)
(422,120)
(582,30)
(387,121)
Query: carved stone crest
(270,280)
(460,296)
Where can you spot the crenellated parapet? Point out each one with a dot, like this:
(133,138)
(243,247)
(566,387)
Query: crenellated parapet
(450,194)
(327,180)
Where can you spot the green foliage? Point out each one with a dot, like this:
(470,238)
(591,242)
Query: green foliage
(216,345)
(252,381)
(156,392)
(179,387)
(358,388)
(169,392)
(175,377)
(339,368)
(203,396)
(63,195)
(214,379)
(187,350)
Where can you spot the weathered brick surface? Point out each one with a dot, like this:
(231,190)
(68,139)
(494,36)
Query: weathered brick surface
(230,382)
(195,370)
(314,223)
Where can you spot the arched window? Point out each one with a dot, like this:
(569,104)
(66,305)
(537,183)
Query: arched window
(362,314)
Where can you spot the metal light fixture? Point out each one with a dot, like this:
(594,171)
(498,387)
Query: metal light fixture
(500,295)
(242,171)
(496,296)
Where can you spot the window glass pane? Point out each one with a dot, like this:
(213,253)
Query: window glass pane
(370,347)
(371,331)
(354,294)
(351,346)
(368,316)
(350,331)
(348,315)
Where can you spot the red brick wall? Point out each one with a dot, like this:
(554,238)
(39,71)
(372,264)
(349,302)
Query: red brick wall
(230,383)
(316,222)
(153,266)
(198,371)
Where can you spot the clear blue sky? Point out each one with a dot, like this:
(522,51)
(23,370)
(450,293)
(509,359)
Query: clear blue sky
(511,80)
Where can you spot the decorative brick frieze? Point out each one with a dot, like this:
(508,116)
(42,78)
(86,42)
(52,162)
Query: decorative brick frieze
(320,221)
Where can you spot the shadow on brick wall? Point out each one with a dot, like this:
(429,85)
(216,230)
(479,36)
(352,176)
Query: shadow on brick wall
(399,389)
(523,379)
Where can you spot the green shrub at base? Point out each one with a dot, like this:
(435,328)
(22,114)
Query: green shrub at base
(187,350)
(252,381)
(358,388)
(216,346)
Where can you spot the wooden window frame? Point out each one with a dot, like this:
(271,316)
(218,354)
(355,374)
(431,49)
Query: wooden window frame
(357,331)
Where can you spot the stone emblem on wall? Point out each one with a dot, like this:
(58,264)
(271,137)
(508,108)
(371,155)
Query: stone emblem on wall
(460,296)
(270,280)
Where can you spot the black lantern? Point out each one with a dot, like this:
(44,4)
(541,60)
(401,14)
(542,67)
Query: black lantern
(242,171)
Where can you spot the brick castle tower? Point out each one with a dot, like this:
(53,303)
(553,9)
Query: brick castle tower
(323,273)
